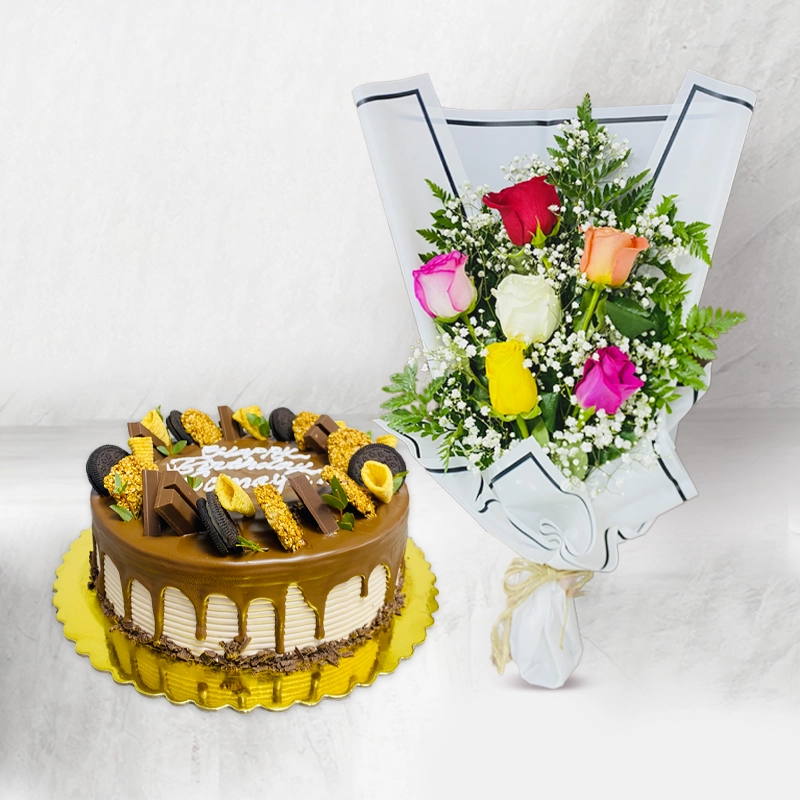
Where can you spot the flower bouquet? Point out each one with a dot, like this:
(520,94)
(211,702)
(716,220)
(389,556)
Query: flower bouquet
(562,336)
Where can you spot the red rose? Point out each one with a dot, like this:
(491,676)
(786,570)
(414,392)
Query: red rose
(524,206)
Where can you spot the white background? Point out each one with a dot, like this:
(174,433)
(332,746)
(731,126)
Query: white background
(188,216)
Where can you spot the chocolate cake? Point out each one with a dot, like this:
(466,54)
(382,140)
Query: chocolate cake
(253,568)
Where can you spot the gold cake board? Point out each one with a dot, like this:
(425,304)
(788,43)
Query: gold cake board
(153,673)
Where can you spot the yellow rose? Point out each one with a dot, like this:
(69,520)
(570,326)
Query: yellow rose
(512,387)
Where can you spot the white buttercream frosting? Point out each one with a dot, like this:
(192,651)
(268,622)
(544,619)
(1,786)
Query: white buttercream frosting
(345,611)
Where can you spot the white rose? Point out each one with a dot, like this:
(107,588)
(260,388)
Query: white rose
(527,308)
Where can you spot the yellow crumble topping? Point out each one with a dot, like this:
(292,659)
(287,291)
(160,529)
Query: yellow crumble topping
(130,473)
(356,496)
(342,444)
(280,517)
(200,427)
(301,425)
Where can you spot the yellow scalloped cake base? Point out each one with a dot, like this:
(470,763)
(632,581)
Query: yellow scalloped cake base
(153,673)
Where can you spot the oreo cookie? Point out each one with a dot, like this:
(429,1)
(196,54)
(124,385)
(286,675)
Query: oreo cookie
(280,424)
(99,465)
(175,427)
(374,452)
(218,523)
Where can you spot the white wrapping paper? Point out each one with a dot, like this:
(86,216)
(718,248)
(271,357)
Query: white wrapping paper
(692,149)
(545,640)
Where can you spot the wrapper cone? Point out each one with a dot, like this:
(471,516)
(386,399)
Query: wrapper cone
(691,148)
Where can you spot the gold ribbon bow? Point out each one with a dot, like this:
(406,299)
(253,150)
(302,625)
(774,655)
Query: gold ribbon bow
(521,580)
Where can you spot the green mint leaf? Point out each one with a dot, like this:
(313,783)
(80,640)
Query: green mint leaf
(334,502)
(247,544)
(193,481)
(178,446)
(347,521)
(119,485)
(158,411)
(123,513)
(338,491)
(398,480)
(163,450)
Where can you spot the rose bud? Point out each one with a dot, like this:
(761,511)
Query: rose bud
(608,255)
(512,387)
(525,207)
(608,380)
(527,308)
(443,287)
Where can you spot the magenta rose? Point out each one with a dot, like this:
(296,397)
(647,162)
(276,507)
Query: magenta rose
(608,380)
(524,207)
(443,287)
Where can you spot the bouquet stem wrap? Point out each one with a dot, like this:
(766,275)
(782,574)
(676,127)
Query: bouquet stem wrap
(540,619)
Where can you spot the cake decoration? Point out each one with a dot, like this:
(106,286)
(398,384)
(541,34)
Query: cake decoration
(378,478)
(222,531)
(314,504)
(231,430)
(152,524)
(252,420)
(142,450)
(200,427)
(342,444)
(387,439)
(280,423)
(374,451)
(280,517)
(356,496)
(232,497)
(302,423)
(154,422)
(175,427)
(338,499)
(176,503)
(316,437)
(99,464)
(124,484)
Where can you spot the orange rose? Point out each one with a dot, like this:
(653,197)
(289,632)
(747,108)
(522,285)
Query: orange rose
(608,255)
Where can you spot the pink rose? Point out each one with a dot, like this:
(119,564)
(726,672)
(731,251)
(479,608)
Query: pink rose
(443,287)
(524,207)
(608,380)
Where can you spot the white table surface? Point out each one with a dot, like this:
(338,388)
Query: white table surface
(689,685)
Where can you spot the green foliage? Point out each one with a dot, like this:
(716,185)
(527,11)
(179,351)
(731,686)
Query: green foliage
(119,485)
(123,513)
(347,522)
(409,408)
(398,480)
(247,544)
(629,317)
(337,499)
(172,449)
(194,482)
(259,423)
